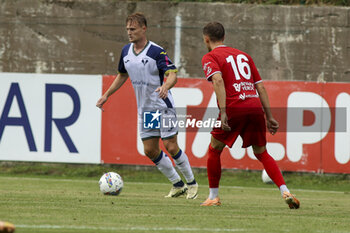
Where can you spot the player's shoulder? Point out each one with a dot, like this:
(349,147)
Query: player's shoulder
(207,56)
(155,50)
(233,51)
(213,56)
(155,46)
(125,49)
(237,52)
(127,46)
(223,49)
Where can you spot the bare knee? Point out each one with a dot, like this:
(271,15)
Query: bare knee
(152,153)
(216,144)
(171,145)
(258,149)
(172,148)
(151,148)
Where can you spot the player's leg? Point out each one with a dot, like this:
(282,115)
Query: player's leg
(180,158)
(163,163)
(254,133)
(219,140)
(182,163)
(214,171)
(275,174)
(270,166)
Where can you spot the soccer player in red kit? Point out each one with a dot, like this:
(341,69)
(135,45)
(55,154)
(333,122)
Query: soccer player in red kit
(243,103)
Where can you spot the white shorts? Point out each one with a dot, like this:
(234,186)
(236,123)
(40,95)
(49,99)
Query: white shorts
(163,127)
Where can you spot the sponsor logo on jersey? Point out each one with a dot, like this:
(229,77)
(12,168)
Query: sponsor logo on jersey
(247,86)
(205,65)
(237,87)
(209,70)
(244,86)
(242,96)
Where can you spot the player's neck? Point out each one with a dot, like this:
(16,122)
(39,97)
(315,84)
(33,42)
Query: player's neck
(140,45)
(214,45)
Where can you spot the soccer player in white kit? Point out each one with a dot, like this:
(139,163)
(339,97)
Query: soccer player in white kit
(147,64)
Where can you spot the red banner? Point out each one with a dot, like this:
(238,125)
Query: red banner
(314,131)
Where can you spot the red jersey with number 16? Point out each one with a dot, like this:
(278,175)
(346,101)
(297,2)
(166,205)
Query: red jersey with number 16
(239,74)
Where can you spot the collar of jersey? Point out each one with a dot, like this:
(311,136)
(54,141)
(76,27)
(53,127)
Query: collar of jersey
(136,54)
(220,46)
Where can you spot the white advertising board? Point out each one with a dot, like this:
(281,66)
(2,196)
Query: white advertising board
(50,118)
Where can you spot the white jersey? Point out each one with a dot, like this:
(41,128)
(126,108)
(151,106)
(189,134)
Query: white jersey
(146,71)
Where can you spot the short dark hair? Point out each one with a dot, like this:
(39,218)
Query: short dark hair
(215,31)
(137,17)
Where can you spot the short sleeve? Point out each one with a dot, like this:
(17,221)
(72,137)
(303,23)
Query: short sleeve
(164,63)
(210,66)
(121,66)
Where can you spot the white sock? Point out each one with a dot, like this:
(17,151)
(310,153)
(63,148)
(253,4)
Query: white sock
(182,163)
(213,193)
(166,167)
(283,188)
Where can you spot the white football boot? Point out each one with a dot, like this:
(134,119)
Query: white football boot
(177,191)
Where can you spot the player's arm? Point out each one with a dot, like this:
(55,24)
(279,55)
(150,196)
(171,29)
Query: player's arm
(170,82)
(220,92)
(117,83)
(272,124)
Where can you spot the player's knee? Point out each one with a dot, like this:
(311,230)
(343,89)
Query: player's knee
(218,147)
(216,144)
(151,153)
(258,149)
(172,148)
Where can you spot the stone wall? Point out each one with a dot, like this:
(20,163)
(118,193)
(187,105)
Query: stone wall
(86,36)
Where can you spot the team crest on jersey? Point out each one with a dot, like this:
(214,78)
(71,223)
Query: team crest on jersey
(144,61)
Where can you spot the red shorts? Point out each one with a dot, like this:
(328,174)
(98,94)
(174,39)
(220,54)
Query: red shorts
(250,126)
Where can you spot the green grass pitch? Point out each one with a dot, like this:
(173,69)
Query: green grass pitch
(51,204)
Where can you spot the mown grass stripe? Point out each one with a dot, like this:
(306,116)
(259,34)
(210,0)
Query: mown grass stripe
(134,228)
(154,183)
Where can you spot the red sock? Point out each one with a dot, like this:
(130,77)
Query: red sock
(214,167)
(271,168)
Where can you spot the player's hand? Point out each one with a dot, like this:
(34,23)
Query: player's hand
(272,125)
(100,102)
(163,92)
(224,122)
